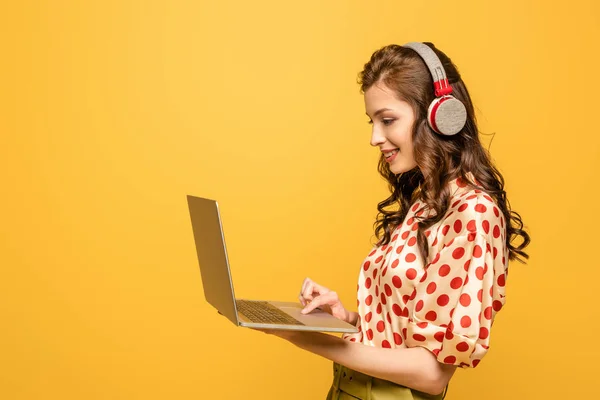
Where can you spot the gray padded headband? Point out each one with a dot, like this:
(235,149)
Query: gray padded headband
(431,60)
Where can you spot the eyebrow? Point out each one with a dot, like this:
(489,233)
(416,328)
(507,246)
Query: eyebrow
(379,111)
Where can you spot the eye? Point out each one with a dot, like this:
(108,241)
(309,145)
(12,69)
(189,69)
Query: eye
(388,121)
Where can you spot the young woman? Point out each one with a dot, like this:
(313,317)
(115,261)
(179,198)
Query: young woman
(430,288)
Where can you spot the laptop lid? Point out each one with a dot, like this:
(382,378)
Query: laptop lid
(212,255)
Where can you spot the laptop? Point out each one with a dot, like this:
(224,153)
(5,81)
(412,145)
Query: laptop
(218,285)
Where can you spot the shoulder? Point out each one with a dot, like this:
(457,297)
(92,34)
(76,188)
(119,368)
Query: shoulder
(473,211)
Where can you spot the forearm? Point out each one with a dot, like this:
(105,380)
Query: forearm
(415,368)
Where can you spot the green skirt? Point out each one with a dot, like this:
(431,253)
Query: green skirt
(350,385)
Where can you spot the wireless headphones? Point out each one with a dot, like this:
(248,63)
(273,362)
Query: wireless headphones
(446,114)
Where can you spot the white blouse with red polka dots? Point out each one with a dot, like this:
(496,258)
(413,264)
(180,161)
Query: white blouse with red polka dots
(446,303)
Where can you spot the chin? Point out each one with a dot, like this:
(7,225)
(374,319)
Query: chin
(400,169)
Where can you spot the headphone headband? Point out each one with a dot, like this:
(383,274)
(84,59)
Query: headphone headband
(440,80)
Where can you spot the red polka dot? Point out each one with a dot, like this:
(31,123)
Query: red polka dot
(497,305)
(388,289)
(368,283)
(366,265)
(463,207)
(412,241)
(384,247)
(419,305)
(411,273)
(480,295)
(488,197)
(449,334)
(423,277)
(496,232)
(486,226)
(483,333)
(471,236)
(384,272)
(397,338)
(465,321)
(487,313)
(456,283)
(480,208)
(405,298)
(462,346)
(386,344)
(467,265)
(443,300)
(394,237)
(410,221)
(496,213)
(477,251)
(369,300)
(419,338)
(383,299)
(388,250)
(373,252)
(460,182)
(415,227)
(452,312)
(378,309)
(434,242)
(479,273)
(439,336)
(395,263)
(436,258)
(378,259)
(431,288)
(445,229)
(413,295)
(380,326)
(399,249)
(396,282)
(405,235)
(368,316)
(415,207)
(450,360)
(376,290)
(465,299)
(374,273)
(475,362)
(471,226)
(422,325)
(458,253)
(405,312)
(471,196)
(455,203)
(370,334)
(458,226)
(410,257)
(396,309)
(444,270)
(404,332)
(502,280)
(431,316)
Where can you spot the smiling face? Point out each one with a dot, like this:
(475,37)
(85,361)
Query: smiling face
(392,121)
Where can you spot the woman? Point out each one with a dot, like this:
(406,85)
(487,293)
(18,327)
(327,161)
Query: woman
(432,285)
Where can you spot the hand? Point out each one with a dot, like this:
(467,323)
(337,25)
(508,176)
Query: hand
(314,296)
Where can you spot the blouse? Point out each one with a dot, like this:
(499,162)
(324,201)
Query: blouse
(447,302)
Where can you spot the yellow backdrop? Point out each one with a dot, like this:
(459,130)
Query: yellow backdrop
(112,111)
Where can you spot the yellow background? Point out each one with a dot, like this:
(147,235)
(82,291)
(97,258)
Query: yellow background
(112,111)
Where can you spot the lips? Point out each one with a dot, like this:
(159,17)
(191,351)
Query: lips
(388,154)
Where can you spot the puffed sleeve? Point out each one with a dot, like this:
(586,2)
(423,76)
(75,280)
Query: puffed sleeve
(452,308)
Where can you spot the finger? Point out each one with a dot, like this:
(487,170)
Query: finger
(308,292)
(302,301)
(317,302)
(307,280)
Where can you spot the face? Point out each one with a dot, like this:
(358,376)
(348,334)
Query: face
(392,121)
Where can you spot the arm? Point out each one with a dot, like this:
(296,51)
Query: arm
(416,367)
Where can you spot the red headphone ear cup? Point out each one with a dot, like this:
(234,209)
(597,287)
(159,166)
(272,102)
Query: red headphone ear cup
(447,115)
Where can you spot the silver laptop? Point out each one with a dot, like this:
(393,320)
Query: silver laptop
(218,286)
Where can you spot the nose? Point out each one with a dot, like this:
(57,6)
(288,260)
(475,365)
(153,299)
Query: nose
(377,137)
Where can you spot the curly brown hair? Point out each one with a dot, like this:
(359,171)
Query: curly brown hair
(439,158)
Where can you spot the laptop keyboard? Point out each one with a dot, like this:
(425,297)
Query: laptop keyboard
(265,313)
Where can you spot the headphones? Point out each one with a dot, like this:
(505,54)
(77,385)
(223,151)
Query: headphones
(446,114)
